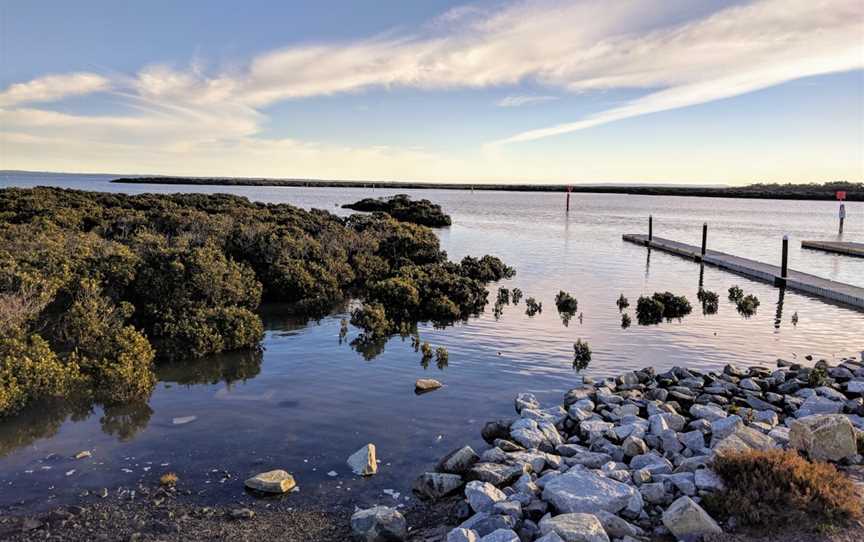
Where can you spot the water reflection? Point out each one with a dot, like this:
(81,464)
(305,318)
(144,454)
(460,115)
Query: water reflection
(126,420)
(229,368)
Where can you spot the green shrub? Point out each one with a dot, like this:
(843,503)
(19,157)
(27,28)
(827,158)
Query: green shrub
(566,303)
(710,301)
(674,306)
(626,321)
(503,296)
(403,208)
(517,295)
(774,488)
(622,302)
(649,310)
(442,357)
(30,371)
(532,307)
(747,305)
(581,354)
(372,319)
(735,294)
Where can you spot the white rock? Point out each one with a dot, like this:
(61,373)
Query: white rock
(685,518)
(379,524)
(462,535)
(824,437)
(580,490)
(274,481)
(575,527)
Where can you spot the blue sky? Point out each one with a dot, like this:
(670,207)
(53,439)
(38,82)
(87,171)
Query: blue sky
(684,91)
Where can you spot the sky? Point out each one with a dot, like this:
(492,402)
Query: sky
(535,91)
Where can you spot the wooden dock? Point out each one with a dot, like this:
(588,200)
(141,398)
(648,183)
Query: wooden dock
(837,247)
(795,280)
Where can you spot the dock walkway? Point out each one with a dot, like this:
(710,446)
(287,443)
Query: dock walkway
(838,247)
(811,284)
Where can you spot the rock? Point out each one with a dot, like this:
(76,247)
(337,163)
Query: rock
(580,490)
(484,523)
(749,384)
(575,527)
(708,480)
(462,535)
(816,404)
(526,400)
(634,446)
(527,433)
(241,513)
(743,439)
(501,535)
(495,430)
(379,524)
(424,385)
(707,412)
(434,485)
(552,536)
(824,437)
(458,461)
(512,508)
(496,474)
(655,493)
(363,462)
(855,387)
(694,440)
(724,427)
(616,527)
(83,455)
(274,481)
(482,495)
(592,460)
(183,420)
(684,518)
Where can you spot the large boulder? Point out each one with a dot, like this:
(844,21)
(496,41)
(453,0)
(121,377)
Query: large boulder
(462,535)
(685,519)
(379,524)
(580,490)
(816,404)
(501,535)
(824,437)
(575,527)
(434,485)
(274,481)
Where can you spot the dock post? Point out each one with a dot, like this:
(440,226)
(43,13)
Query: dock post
(568,198)
(650,228)
(704,238)
(784,265)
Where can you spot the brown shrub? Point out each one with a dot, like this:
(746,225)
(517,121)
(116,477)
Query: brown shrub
(776,487)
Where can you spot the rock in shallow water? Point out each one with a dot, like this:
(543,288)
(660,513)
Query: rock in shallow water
(274,481)
(379,524)
(363,461)
(426,384)
(434,485)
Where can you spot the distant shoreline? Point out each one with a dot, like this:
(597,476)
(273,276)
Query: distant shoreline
(855,191)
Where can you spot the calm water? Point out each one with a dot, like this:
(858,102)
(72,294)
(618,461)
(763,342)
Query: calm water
(310,400)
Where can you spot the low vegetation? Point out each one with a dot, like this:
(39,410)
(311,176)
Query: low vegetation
(747,305)
(710,301)
(622,302)
(516,296)
(566,305)
(581,354)
(403,208)
(736,294)
(652,310)
(779,487)
(95,288)
(626,321)
(532,306)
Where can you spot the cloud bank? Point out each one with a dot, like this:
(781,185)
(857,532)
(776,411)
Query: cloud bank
(675,53)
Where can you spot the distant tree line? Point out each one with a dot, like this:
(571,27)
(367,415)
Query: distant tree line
(810,191)
(95,288)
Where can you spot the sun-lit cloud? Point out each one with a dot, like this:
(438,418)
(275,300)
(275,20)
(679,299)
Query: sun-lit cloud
(672,53)
(519,101)
(51,88)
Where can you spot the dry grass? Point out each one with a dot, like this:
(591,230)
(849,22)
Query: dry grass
(169,479)
(775,488)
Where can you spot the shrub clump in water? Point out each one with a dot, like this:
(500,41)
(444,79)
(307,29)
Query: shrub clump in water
(581,354)
(503,296)
(622,302)
(404,209)
(532,307)
(567,306)
(626,320)
(747,305)
(652,310)
(710,301)
(774,488)
(735,294)
(516,296)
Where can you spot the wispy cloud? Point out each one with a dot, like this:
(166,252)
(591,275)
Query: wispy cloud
(677,53)
(519,101)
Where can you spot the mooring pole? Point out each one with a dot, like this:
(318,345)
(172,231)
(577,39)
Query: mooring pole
(650,228)
(568,198)
(784,265)
(704,238)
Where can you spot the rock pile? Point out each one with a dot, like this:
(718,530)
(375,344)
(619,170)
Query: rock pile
(630,458)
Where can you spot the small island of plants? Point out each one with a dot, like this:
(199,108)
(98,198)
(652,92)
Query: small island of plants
(403,208)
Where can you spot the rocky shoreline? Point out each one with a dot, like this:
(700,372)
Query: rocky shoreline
(622,459)
(630,458)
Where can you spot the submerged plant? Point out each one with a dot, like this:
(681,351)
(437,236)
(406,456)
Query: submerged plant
(649,311)
(710,301)
(735,294)
(532,307)
(581,354)
(566,302)
(622,302)
(498,310)
(426,350)
(625,320)
(516,295)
